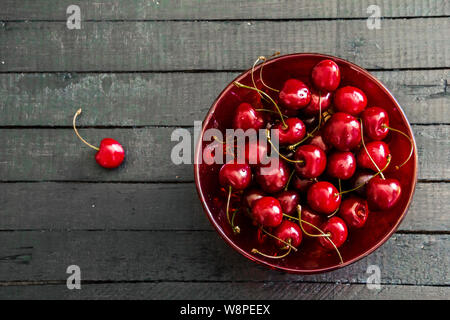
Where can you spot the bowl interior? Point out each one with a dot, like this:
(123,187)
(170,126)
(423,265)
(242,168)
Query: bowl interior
(311,257)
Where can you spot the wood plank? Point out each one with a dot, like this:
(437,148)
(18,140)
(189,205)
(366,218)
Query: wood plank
(217,9)
(226,291)
(88,206)
(135,46)
(199,256)
(49,154)
(173,99)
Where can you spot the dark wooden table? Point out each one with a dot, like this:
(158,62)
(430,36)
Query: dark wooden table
(140,69)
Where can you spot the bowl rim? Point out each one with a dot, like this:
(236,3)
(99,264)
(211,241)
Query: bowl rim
(230,241)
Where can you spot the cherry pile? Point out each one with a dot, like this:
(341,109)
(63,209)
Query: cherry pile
(328,138)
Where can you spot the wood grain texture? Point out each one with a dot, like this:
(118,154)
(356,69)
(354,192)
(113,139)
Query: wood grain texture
(199,256)
(217,9)
(109,206)
(138,46)
(228,291)
(49,154)
(174,99)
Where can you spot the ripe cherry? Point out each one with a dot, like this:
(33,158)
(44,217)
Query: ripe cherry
(320,102)
(375,151)
(350,100)
(289,232)
(383,194)
(314,161)
(272,177)
(354,211)
(337,229)
(289,200)
(360,181)
(250,196)
(313,218)
(256,153)
(326,75)
(109,155)
(318,140)
(341,165)
(294,94)
(302,184)
(376,123)
(246,117)
(267,212)
(323,197)
(295,131)
(342,131)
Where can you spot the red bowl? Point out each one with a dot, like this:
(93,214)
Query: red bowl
(311,257)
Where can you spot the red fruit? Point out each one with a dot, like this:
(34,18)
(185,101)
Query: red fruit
(383,194)
(289,232)
(350,100)
(375,123)
(354,211)
(295,94)
(314,161)
(326,75)
(110,154)
(378,150)
(288,200)
(237,176)
(250,196)
(271,177)
(301,184)
(338,233)
(342,131)
(341,165)
(318,140)
(323,197)
(319,101)
(246,117)
(295,131)
(267,212)
(256,153)
(360,180)
(312,217)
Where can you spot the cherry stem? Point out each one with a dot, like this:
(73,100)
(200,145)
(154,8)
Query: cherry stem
(367,151)
(277,151)
(236,229)
(271,111)
(240,85)
(274,257)
(263,59)
(76,131)
(340,192)
(289,180)
(410,141)
(275,237)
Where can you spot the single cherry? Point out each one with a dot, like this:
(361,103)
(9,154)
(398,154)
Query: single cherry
(326,75)
(320,102)
(272,177)
(235,175)
(289,232)
(313,218)
(294,94)
(342,131)
(354,211)
(109,155)
(375,151)
(323,197)
(256,153)
(302,184)
(350,100)
(318,140)
(337,229)
(250,196)
(383,194)
(360,180)
(314,161)
(341,165)
(289,200)
(246,117)
(294,132)
(375,122)
(267,212)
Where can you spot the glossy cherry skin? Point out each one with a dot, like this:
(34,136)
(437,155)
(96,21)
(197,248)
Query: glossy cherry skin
(378,150)
(314,161)
(110,154)
(301,184)
(323,197)
(238,176)
(354,211)
(383,194)
(267,212)
(250,196)
(342,131)
(341,165)
(246,117)
(272,178)
(338,230)
(326,75)
(320,101)
(294,132)
(288,231)
(289,200)
(350,100)
(312,217)
(360,179)
(318,140)
(294,94)
(375,123)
